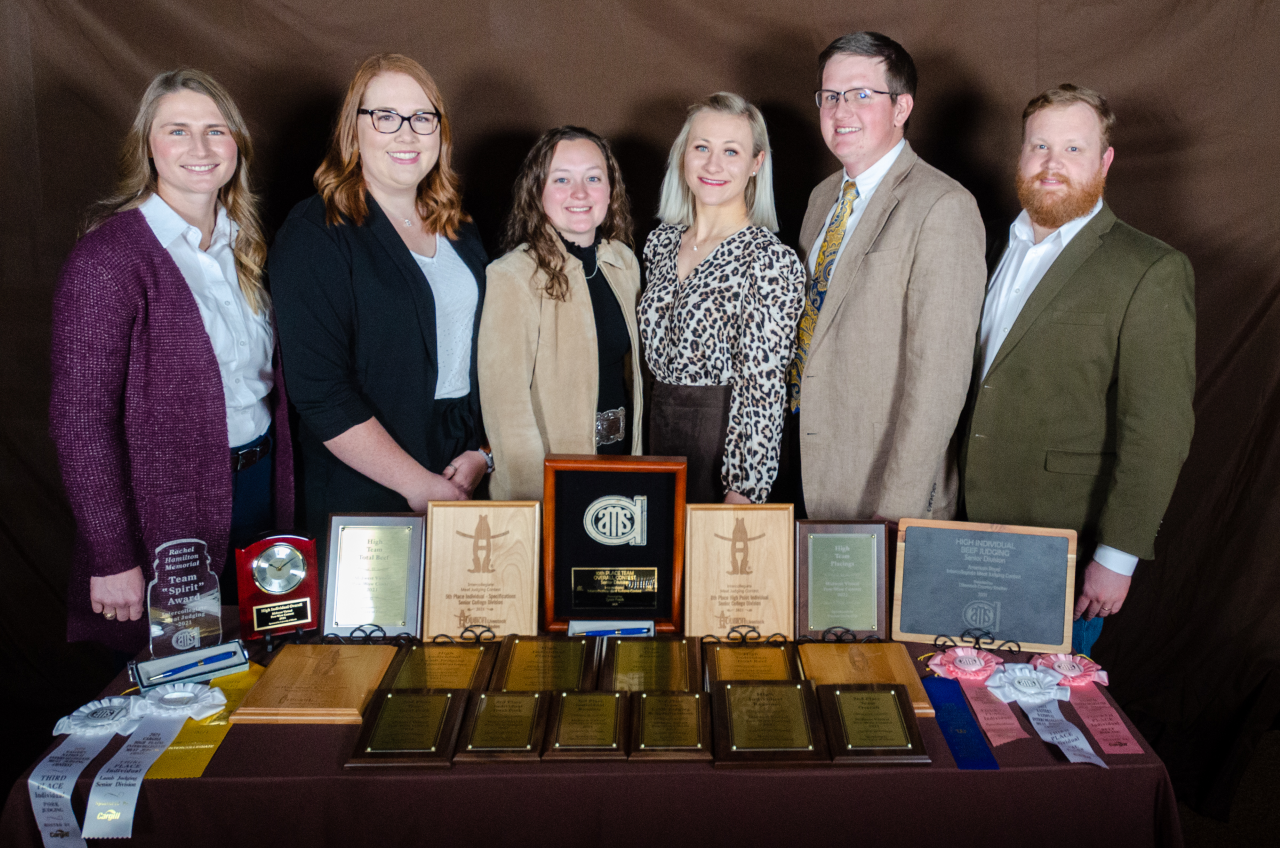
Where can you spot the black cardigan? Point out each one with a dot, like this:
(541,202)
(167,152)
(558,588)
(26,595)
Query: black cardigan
(357,331)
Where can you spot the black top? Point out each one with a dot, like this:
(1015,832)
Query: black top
(357,328)
(613,342)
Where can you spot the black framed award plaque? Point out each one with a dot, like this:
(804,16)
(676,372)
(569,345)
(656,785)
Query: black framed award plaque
(842,577)
(663,663)
(410,728)
(871,724)
(998,582)
(761,723)
(504,726)
(587,726)
(671,726)
(536,663)
(613,540)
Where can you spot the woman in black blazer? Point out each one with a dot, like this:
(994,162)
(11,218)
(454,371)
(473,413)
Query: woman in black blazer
(378,282)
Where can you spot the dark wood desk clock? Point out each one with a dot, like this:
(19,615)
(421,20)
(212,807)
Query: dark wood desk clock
(279,586)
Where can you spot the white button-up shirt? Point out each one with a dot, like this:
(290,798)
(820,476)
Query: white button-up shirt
(868,181)
(242,341)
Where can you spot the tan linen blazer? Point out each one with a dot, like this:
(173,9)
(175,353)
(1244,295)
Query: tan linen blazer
(891,354)
(539,372)
(1084,418)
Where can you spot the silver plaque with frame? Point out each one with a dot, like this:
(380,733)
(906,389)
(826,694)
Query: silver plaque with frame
(375,573)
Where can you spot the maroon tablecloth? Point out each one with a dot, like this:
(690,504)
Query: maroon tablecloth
(285,785)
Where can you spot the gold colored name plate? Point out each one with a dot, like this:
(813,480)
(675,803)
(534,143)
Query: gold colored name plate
(539,665)
(763,663)
(872,720)
(440,667)
(588,720)
(767,718)
(661,665)
(504,722)
(670,721)
(373,574)
(409,723)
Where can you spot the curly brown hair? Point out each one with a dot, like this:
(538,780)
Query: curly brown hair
(528,222)
(340,180)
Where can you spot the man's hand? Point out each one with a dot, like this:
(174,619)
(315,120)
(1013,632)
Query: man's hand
(1104,592)
(118,596)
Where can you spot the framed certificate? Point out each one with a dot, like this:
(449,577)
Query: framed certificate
(739,569)
(842,577)
(374,575)
(482,567)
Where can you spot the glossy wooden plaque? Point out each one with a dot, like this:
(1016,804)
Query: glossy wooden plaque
(761,723)
(316,684)
(587,726)
(871,724)
(663,663)
(482,567)
(671,726)
(661,556)
(443,665)
(978,572)
(410,728)
(739,569)
(863,663)
(538,663)
(726,661)
(504,726)
(842,577)
(263,570)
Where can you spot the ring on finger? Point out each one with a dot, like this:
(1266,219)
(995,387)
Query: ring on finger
(109,615)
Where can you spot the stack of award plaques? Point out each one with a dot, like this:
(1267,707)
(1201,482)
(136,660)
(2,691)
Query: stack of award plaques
(316,684)
(859,663)
(671,717)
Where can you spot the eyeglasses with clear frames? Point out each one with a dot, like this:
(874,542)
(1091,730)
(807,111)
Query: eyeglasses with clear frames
(386,121)
(827,99)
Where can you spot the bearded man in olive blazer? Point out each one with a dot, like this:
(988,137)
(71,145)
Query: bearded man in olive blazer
(1080,412)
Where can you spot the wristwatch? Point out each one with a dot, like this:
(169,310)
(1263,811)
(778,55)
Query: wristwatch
(488,460)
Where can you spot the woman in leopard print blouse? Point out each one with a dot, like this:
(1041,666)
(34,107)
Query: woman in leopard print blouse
(719,312)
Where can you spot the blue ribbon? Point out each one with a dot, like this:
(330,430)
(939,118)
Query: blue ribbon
(959,727)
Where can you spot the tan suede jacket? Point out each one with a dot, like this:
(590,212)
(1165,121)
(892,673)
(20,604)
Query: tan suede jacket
(538,365)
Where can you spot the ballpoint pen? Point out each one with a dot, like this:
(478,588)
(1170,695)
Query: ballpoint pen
(225,655)
(625,631)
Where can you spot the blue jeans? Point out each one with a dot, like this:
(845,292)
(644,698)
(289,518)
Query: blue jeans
(1085,633)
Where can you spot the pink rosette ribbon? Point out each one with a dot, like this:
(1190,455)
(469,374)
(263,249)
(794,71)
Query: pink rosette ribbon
(970,667)
(1095,710)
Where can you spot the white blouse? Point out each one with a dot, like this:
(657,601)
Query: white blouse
(456,295)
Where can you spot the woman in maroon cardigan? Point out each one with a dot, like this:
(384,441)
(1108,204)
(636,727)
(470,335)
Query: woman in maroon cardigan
(168,415)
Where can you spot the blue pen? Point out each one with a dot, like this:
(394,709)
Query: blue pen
(226,655)
(626,631)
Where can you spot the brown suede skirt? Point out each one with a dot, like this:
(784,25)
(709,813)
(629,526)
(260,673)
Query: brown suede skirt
(691,421)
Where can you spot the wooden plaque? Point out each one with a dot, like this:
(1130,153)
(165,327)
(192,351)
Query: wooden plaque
(538,663)
(504,726)
(671,726)
(871,724)
(842,577)
(482,566)
(316,684)
(613,540)
(768,723)
(1015,583)
(587,726)
(443,665)
(739,569)
(872,662)
(375,573)
(663,664)
(410,728)
(725,661)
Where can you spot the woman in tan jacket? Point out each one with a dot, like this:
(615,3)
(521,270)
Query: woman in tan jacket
(558,352)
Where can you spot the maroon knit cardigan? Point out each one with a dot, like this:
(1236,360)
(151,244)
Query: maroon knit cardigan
(139,418)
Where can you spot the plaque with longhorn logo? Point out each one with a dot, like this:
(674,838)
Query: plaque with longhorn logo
(739,569)
(613,529)
(482,567)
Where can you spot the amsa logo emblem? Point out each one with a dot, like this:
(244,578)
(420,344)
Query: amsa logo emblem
(615,520)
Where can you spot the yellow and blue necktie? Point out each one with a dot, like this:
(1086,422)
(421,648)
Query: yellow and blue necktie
(822,270)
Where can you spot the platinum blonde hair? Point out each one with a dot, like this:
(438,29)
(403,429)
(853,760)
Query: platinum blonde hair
(676,204)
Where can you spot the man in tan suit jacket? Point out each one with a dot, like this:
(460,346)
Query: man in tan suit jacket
(885,346)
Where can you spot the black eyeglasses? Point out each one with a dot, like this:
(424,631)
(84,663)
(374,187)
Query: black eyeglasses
(387,121)
(827,99)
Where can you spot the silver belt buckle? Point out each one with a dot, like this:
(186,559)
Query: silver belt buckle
(611,426)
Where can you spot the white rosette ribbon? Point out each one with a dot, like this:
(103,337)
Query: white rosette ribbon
(117,714)
(190,700)
(1036,690)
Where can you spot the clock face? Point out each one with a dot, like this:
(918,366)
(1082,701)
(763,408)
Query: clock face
(279,568)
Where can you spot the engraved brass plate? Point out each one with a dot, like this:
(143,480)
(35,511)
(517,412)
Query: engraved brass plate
(767,718)
(537,665)
(409,723)
(504,722)
(670,721)
(614,588)
(651,665)
(762,663)
(588,720)
(872,720)
(440,667)
(373,575)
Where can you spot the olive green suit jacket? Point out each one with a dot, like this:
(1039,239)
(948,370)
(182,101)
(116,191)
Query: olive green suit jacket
(1084,418)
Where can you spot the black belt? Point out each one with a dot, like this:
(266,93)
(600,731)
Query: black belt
(246,457)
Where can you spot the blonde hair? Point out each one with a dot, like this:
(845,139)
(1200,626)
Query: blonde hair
(676,203)
(340,180)
(138,180)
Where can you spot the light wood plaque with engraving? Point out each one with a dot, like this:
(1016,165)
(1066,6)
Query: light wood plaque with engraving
(739,569)
(316,684)
(864,663)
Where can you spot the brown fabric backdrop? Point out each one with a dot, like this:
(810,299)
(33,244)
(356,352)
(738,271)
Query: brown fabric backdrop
(1193,656)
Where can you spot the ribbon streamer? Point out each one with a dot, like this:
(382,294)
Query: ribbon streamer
(962,733)
(970,668)
(1036,690)
(1083,676)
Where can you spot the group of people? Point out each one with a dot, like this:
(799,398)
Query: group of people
(863,378)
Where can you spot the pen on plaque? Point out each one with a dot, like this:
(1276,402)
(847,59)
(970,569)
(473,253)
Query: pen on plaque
(226,655)
(625,631)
